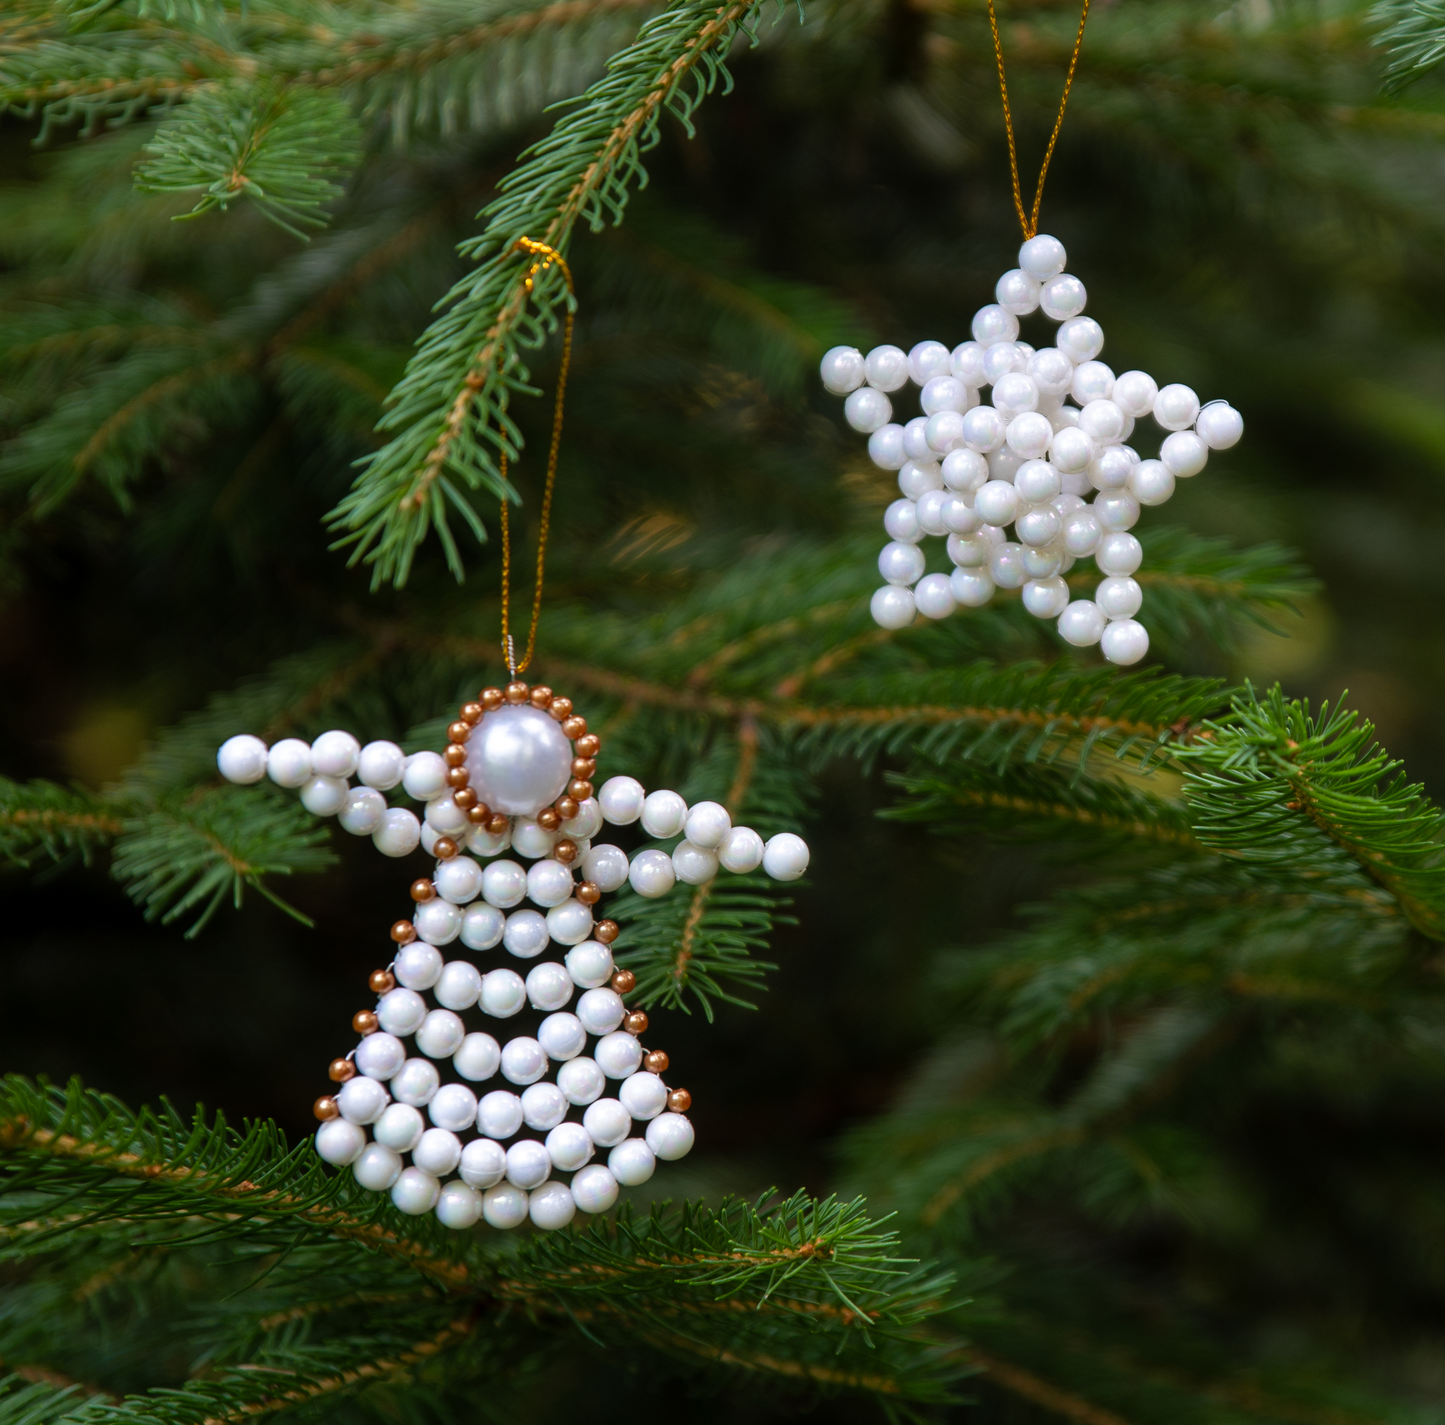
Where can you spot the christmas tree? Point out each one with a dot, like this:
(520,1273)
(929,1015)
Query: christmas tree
(1093,1072)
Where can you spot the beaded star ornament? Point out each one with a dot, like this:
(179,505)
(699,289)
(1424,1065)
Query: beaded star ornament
(489,1122)
(1062,475)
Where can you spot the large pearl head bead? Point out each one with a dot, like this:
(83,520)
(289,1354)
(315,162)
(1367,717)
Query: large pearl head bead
(519,759)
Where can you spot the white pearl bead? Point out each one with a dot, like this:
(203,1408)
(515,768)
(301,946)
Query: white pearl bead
(1116,509)
(1080,338)
(524,1061)
(918,476)
(887,368)
(600,1010)
(693,865)
(587,822)
(324,796)
(242,759)
(1119,596)
(1119,553)
(504,884)
(528,1165)
(1150,482)
(441,1033)
(785,856)
(1006,567)
(984,429)
(1081,533)
(899,564)
(1036,481)
(741,850)
(362,1100)
(892,607)
(1046,598)
(1017,292)
(1030,435)
(499,1114)
(589,964)
(380,765)
(1135,392)
(504,1206)
(531,839)
(618,1054)
(339,1142)
(651,873)
(438,922)
(1051,370)
(1093,381)
(1064,416)
(964,471)
(399,1127)
(444,816)
(334,754)
(966,363)
(929,512)
(437,1151)
(415,1083)
(594,1189)
(1220,425)
(549,986)
(632,1162)
(959,516)
(581,1080)
(415,1192)
(621,800)
(503,993)
(1183,454)
(842,369)
(934,596)
(1004,463)
(1002,358)
(1062,297)
(519,759)
(525,933)
(607,1122)
(663,814)
(400,1011)
(562,1036)
(1015,393)
(1102,422)
(425,776)
(1081,623)
(970,551)
(605,866)
(549,883)
(363,811)
(458,1207)
(1042,561)
(707,824)
(992,324)
(1176,407)
(1125,642)
(927,360)
(379,1055)
(458,880)
(482,926)
(377,1167)
(398,833)
(943,393)
(288,763)
(885,447)
(551,1206)
(1111,467)
(454,1106)
(1042,257)
(997,502)
(900,520)
(643,1095)
(483,1164)
(544,1106)
(867,409)
(670,1136)
(916,448)
(972,590)
(478,1058)
(569,1146)
(1071,449)
(1042,524)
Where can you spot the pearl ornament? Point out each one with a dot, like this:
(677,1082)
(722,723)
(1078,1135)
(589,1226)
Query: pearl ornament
(693,865)
(544,1106)
(707,824)
(867,410)
(380,765)
(741,850)
(842,369)
(917,449)
(1116,509)
(503,993)
(454,1106)
(964,470)
(1135,392)
(917,476)
(437,1151)
(562,1036)
(900,520)
(927,360)
(528,1165)
(1071,449)
(1119,596)
(1062,297)
(886,368)
(1080,338)
(377,1167)
(569,1146)
(478,1057)
(632,1162)
(399,833)
(651,873)
(549,986)
(458,1206)
(362,1100)
(1176,407)
(607,1122)
(415,1083)
(483,1163)
(643,1095)
(663,814)
(445,817)
(1029,435)
(415,1192)
(1046,598)
(549,883)
(1219,425)
(971,589)
(400,1011)
(551,1206)
(441,1032)
(362,812)
(885,447)
(1082,532)
(288,763)
(1006,567)
(589,964)
(438,921)
(458,880)
(400,1127)
(600,1011)
(504,1206)
(1125,641)
(1118,553)
(1151,482)
(1018,292)
(1042,257)
(324,796)
(339,1142)
(899,564)
(499,1114)
(519,760)
(785,856)
(944,393)
(1081,623)
(242,759)
(594,1189)
(524,1060)
(605,866)
(334,754)
(482,926)
(504,884)
(618,1054)
(425,776)
(934,598)
(1040,525)
(582,1080)
(379,1056)
(1183,454)
(525,934)
(892,607)
(621,800)
(670,1136)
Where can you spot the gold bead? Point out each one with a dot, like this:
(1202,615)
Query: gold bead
(548,819)
(679,1100)
(583,767)
(516,692)
(589,745)
(565,851)
(636,1022)
(341,1070)
(605,931)
(491,699)
(465,798)
(624,982)
(457,776)
(574,726)
(380,981)
(472,712)
(364,1022)
(480,814)
(541,696)
(579,789)
(459,732)
(656,1062)
(423,890)
(454,754)
(325,1108)
(444,848)
(567,807)
(497,823)
(589,893)
(561,708)
(403,932)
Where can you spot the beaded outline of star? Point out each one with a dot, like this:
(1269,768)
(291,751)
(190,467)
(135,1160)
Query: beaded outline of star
(968,469)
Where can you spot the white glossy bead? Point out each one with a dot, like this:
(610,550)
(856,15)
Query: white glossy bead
(362,1100)
(528,1165)
(425,776)
(1030,435)
(984,429)
(899,564)
(944,432)
(380,765)
(741,850)
(1102,422)
(693,865)
(562,1036)
(1042,256)
(1119,553)
(445,817)
(1015,394)
(959,516)
(438,1151)
(993,323)
(1036,482)
(437,921)
(1116,509)
(551,1206)
(441,1032)
(1042,561)
(643,1095)
(885,447)
(1176,407)
(1134,393)
(594,1189)
(1080,338)
(1006,567)
(1093,381)
(707,824)
(1125,642)
(1045,598)
(842,369)
(524,1061)
(1082,623)
(1071,449)
(600,1010)
(1082,533)
(663,814)
(544,1106)
(589,964)
(400,1011)
(1039,525)
(886,368)
(334,754)
(934,596)
(605,866)
(1018,292)
(966,363)
(531,839)
(1062,297)
(607,1122)
(1183,454)
(482,926)
(288,763)
(892,607)
(569,1146)
(1111,467)
(504,1206)
(415,1192)
(525,933)
(324,796)
(339,1142)
(242,759)
(399,1127)
(504,884)
(499,1114)
(900,520)
(927,360)
(363,811)
(918,476)
(618,1054)
(483,1164)
(972,589)
(997,502)
(917,449)
(549,883)
(670,1136)
(964,471)
(458,1207)
(581,1080)
(415,1083)
(785,856)
(377,1168)
(1004,463)
(943,393)
(503,993)
(1150,482)
(478,1058)
(398,834)
(458,880)
(587,822)
(549,986)
(632,1162)
(1002,358)
(454,1106)
(651,873)
(379,1055)
(1064,417)
(867,409)
(1119,596)
(1219,425)
(970,551)
(519,759)
(621,800)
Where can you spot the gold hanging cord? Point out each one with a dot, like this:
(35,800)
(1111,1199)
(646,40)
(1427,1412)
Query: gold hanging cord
(546,256)
(1029,222)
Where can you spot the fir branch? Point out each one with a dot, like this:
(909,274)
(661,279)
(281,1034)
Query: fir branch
(1412,32)
(40,819)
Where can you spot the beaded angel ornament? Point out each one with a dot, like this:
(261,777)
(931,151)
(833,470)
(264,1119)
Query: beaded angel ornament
(1063,476)
(517,775)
